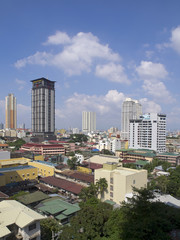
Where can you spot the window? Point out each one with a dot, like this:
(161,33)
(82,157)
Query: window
(111,180)
(134,181)
(32,226)
(111,194)
(111,187)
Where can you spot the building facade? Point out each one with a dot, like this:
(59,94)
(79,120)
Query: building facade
(120,181)
(148,132)
(11,112)
(88,121)
(131,109)
(43,107)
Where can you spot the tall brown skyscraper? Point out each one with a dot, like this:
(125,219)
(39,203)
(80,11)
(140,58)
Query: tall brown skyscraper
(11,112)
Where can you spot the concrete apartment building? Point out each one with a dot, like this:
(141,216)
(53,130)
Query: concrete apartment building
(19,221)
(11,112)
(131,109)
(120,181)
(88,121)
(148,132)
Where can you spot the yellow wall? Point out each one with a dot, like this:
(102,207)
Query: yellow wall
(19,175)
(39,157)
(43,169)
(84,170)
(2,180)
(13,162)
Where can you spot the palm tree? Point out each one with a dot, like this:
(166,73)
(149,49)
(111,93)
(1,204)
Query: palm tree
(102,186)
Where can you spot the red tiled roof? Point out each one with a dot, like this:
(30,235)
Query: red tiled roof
(42,145)
(63,184)
(79,176)
(3,195)
(128,161)
(93,166)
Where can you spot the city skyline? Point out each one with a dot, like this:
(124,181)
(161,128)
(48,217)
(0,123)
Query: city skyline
(127,49)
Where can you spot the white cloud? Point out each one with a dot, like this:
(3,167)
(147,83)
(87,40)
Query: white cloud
(150,70)
(175,39)
(107,108)
(39,58)
(58,38)
(150,106)
(114,96)
(152,75)
(113,72)
(149,54)
(158,90)
(78,55)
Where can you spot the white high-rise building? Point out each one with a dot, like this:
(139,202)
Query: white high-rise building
(148,132)
(131,109)
(88,121)
(43,107)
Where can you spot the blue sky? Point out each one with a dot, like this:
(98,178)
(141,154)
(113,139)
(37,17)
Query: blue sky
(98,51)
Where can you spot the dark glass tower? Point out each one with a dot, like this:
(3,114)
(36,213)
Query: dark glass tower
(43,107)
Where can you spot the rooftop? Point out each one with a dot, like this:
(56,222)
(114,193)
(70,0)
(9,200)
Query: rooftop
(13,212)
(59,208)
(63,184)
(15,168)
(78,175)
(33,197)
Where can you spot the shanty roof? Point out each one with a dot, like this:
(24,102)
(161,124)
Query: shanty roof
(63,184)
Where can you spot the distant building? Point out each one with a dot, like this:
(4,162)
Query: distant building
(11,112)
(88,121)
(120,181)
(131,109)
(1,126)
(19,221)
(43,108)
(75,131)
(43,149)
(148,132)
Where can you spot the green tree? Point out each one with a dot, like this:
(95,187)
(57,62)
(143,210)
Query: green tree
(78,138)
(17,144)
(106,152)
(142,219)
(102,186)
(47,226)
(89,222)
(88,192)
(72,163)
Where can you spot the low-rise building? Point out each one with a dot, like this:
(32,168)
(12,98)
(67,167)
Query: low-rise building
(13,162)
(45,169)
(19,221)
(43,149)
(17,174)
(59,209)
(120,181)
(136,154)
(173,158)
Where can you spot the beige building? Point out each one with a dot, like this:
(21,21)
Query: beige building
(120,181)
(19,221)
(101,159)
